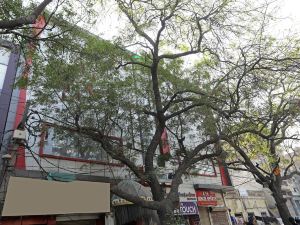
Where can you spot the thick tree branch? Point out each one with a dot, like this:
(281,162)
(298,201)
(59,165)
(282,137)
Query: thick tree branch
(248,162)
(292,162)
(134,23)
(149,166)
(290,175)
(132,63)
(25,20)
(98,136)
(178,55)
(177,94)
(184,110)
(135,199)
(237,168)
(262,170)
(190,160)
(190,52)
(163,23)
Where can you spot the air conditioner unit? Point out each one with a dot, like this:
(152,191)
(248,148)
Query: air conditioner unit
(19,134)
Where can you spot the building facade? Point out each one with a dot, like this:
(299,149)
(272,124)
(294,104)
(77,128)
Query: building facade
(30,195)
(201,195)
(248,198)
(55,182)
(291,191)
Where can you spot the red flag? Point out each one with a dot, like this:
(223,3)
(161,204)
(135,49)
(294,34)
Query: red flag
(164,147)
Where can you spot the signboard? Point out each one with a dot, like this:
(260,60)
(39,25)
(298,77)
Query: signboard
(187,208)
(187,193)
(206,198)
(187,196)
(121,201)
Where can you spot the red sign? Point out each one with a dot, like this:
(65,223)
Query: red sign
(206,198)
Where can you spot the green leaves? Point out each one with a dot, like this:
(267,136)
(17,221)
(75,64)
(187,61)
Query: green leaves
(22,82)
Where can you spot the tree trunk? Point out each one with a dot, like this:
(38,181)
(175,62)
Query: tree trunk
(164,218)
(281,204)
(166,214)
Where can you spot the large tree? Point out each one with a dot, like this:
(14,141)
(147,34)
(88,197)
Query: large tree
(82,92)
(93,89)
(266,109)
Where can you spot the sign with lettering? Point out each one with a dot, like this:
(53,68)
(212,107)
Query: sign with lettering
(206,198)
(120,201)
(187,193)
(187,208)
(187,196)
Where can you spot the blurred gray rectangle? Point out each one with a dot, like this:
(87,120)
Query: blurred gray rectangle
(27,196)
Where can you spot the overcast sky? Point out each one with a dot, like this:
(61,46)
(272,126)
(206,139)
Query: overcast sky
(289,12)
(292,9)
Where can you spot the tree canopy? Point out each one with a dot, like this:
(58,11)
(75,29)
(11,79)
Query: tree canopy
(205,72)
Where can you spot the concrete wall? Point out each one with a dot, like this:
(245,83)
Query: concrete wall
(234,203)
(193,179)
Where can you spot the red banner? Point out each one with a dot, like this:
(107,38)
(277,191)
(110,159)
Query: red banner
(37,29)
(165,147)
(206,198)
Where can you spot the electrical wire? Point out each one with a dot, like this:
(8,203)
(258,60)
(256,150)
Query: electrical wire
(244,182)
(82,173)
(67,169)
(35,155)
(37,158)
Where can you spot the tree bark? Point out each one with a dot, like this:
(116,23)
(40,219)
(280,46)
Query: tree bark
(281,204)
(165,214)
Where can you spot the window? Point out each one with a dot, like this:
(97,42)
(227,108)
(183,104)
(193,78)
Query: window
(204,168)
(61,144)
(298,203)
(4,58)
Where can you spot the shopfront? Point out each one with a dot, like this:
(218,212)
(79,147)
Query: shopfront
(212,209)
(187,212)
(127,213)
